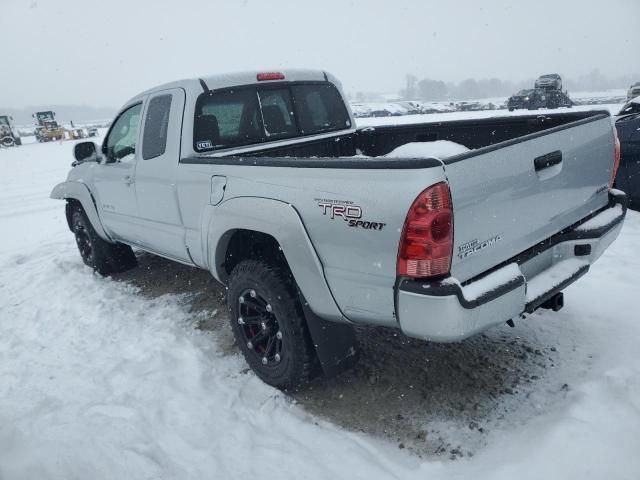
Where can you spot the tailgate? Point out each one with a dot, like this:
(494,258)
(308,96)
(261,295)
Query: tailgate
(512,195)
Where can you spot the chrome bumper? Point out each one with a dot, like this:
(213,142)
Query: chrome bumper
(448,311)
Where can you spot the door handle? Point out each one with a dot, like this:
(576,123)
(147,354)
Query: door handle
(548,160)
(128,180)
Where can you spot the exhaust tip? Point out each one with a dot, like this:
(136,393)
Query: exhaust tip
(555,303)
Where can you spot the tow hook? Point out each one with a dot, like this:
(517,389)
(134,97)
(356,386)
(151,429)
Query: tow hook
(555,303)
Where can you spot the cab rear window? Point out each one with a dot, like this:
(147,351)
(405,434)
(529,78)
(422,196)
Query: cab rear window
(257,114)
(320,108)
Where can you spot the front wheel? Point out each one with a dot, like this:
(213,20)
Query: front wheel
(269,325)
(102,256)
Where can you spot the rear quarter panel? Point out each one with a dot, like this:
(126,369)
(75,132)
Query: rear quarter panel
(359,263)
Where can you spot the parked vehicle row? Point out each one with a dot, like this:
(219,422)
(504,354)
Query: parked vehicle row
(263,179)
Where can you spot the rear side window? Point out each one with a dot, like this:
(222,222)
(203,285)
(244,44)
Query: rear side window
(156,124)
(319,108)
(227,119)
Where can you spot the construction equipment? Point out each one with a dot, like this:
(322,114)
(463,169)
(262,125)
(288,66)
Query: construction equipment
(47,128)
(9,135)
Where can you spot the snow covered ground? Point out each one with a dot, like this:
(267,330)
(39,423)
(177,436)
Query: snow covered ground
(99,380)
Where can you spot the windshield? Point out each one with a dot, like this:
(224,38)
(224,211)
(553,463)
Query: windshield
(44,116)
(255,114)
(4,120)
(524,93)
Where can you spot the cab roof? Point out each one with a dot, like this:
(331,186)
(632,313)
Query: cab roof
(225,80)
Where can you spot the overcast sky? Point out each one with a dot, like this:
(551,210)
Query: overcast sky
(101,53)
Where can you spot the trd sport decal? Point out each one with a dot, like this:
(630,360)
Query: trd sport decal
(347,211)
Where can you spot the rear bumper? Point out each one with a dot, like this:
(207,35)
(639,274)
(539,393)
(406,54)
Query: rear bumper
(447,311)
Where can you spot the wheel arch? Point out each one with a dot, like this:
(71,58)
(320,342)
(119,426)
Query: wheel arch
(78,193)
(241,224)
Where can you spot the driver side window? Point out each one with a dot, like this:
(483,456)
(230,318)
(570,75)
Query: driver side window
(123,136)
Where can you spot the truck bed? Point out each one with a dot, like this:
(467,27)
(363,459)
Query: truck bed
(526,179)
(472,133)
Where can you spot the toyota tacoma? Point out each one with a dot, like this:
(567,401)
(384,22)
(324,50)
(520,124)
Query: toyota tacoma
(264,179)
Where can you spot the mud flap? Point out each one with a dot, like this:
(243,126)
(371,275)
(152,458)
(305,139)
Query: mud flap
(335,343)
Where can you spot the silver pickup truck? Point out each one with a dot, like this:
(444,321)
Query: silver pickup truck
(263,179)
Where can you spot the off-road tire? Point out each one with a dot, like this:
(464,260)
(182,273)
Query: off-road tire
(275,287)
(104,257)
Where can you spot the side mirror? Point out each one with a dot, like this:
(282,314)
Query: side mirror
(85,152)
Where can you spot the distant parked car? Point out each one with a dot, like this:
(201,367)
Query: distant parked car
(539,98)
(634,91)
(531,99)
(552,81)
(557,98)
(411,107)
(469,106)
(628,128)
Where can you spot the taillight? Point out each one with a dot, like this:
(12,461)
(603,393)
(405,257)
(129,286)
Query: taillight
(616,157)
(426,244)
(270,76)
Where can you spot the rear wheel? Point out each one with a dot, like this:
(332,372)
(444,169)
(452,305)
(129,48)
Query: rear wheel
(269,325)
(102,256)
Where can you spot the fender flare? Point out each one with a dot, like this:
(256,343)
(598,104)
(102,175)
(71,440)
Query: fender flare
(281,221)
(80,192)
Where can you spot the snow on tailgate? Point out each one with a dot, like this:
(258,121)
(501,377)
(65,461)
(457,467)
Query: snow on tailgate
(488,283)
(602,220)
(552,277)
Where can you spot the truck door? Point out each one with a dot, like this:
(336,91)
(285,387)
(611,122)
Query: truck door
(114,177)
(160,217)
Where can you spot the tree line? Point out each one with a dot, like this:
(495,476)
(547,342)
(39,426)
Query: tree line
(429,89)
